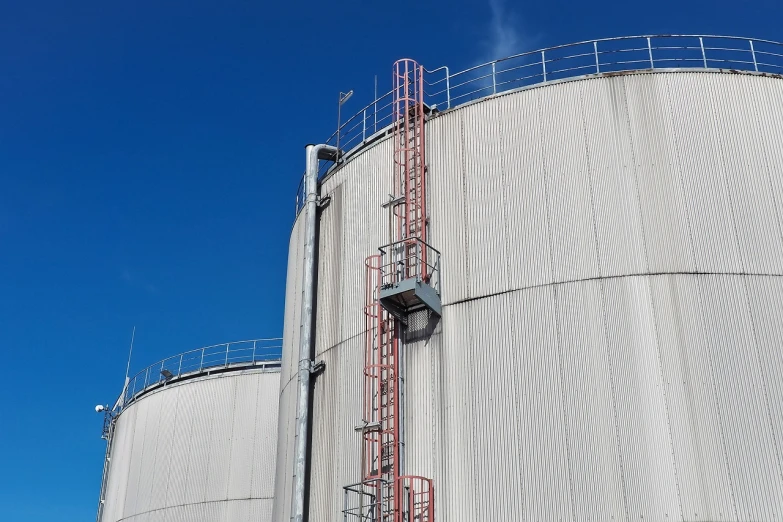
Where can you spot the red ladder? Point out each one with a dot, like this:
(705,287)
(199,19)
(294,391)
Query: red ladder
(397,497)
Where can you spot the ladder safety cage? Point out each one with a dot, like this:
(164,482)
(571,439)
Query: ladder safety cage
(403,277)
(367,501)
(381,392)
(416,499)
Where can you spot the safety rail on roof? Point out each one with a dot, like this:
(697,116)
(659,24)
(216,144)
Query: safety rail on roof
(263,353)
(446,90)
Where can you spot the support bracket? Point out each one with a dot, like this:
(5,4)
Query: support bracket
(317,368)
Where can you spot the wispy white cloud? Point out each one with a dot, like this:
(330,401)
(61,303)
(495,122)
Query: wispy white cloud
(504,39)
(507,32)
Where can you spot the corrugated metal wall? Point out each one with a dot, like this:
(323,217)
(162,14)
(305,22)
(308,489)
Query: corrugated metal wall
(201,450)
(613,305)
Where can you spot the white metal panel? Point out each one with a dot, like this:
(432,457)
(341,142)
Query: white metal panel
(293,299)
(222,394)
(485,190)
(528,351)
(285,447)
(420,363)
(742,404)
(615,197)
(151,436)
(120,465)
(446,191)
(767,100)
(337,410)
(264,441)
(747,176)
(569,194)
(245,422)
(702,168)
(162,463)
(198,457)
(589,404)
(365,229)
(764,299)
(179,468)
(455,474)
(326,413)
(527,229)
(703,478)
(656,153)
(181,461)
(330,272)
(642,418)
(136,460)
(494,450)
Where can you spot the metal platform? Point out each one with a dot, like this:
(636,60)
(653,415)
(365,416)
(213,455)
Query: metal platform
(408,296)
(410,278)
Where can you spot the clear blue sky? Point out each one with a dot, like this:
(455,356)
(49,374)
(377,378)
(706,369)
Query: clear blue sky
(149,154)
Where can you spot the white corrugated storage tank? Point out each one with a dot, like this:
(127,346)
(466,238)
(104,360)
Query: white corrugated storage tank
(197,450)
(612,306)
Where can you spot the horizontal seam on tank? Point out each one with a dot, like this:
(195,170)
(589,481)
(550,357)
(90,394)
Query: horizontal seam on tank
(604,278)
(294,377)
(192,504)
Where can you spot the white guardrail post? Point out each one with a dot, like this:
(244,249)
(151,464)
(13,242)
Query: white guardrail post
(703,54)
(649,50)
(753,54)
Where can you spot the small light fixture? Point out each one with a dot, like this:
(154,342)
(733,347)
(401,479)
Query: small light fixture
(344,96)
(166,374)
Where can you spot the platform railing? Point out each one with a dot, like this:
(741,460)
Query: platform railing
(446,90)
(607,55)
(409,258)
(254,352)
(368,501)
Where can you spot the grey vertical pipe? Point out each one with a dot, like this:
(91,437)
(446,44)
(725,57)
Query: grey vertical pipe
(314,153)
(105,476)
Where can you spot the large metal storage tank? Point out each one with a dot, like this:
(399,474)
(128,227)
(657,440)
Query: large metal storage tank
(200,446)
(609,347)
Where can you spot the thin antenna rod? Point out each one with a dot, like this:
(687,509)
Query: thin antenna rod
(127,368)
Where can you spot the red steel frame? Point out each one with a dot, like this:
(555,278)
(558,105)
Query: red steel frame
(406,498)
(381,397)
(409,164)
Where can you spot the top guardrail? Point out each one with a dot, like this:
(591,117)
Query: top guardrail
(445,90)
(237,354)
